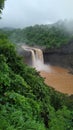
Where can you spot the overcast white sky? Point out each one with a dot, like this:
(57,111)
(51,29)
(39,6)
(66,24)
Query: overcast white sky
(21,13)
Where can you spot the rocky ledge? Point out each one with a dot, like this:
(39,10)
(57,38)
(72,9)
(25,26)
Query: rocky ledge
(62,56)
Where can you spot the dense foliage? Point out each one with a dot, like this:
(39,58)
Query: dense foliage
(26,102)
(49,36)
(1,5)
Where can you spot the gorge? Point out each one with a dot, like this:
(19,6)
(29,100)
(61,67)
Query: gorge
(55,76)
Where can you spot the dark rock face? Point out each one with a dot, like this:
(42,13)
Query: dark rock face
(26,56)
(62,56)
(59,59)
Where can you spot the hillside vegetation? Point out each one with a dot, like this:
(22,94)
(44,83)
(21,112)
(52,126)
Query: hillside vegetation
(49,36)
(26,102)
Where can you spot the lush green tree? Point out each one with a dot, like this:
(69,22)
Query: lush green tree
(1,5)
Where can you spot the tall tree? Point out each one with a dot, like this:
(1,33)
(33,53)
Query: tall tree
(1,5)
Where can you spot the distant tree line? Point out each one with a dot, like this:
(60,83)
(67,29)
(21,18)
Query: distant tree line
(49,36)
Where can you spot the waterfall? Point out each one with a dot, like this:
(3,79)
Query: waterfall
(39,55)
(37,58)
(33,57)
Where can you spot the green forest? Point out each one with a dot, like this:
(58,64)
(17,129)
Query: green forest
(26,102)
(47,36)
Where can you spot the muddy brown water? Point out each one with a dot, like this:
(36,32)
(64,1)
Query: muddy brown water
(59,78)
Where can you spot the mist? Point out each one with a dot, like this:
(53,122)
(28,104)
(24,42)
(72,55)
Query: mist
(37,59)
(19,14)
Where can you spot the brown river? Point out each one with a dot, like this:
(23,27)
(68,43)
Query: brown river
(59,78)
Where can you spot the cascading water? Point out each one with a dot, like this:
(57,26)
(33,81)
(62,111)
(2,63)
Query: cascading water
(37,58)
(33,57)
(39,55)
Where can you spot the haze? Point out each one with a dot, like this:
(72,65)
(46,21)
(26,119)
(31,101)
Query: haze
(21,13)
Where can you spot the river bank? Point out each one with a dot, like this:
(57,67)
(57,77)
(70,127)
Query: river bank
(59,78)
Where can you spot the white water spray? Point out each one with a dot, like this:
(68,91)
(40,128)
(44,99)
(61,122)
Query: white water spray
(37,59)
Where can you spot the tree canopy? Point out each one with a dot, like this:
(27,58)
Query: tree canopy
(26,102)
(49,36)
(1,5)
